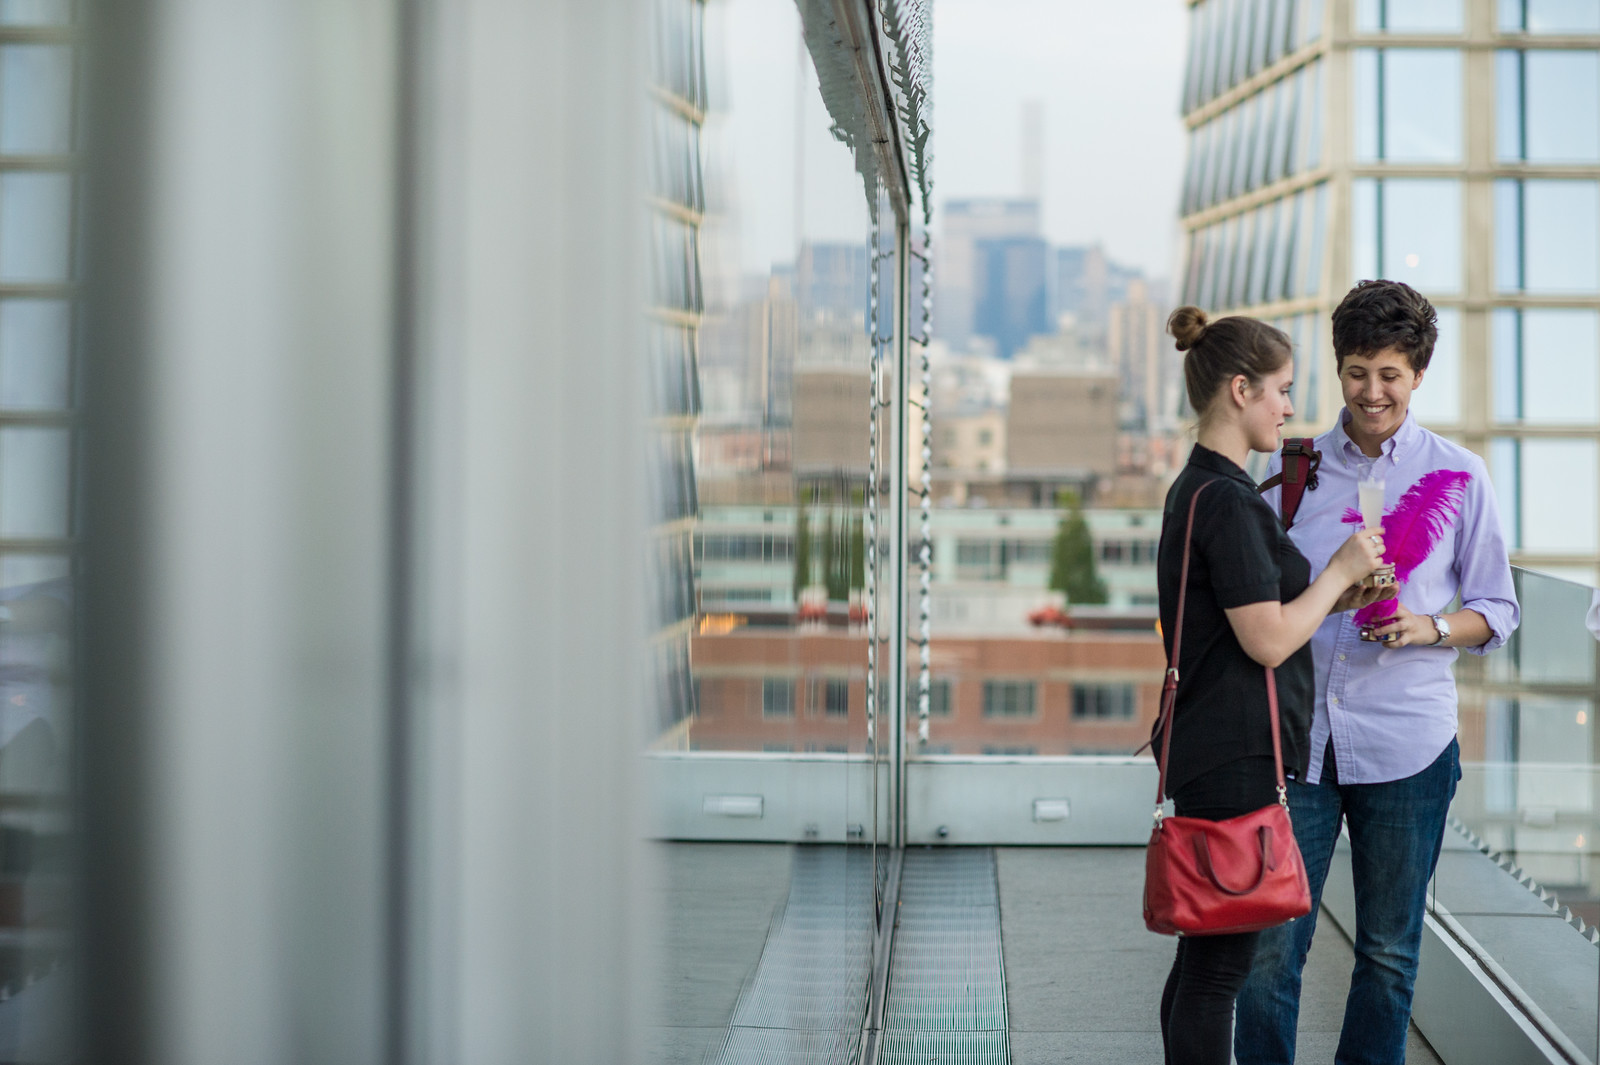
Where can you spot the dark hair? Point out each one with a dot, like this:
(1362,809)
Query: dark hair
(1219,351)
(1377,315)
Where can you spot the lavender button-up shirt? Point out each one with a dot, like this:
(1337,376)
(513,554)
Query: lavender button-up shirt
(1391,711)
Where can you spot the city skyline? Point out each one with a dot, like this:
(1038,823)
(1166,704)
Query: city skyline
(1100,185)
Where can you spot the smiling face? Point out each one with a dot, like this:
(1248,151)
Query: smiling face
(1267,407)
(1377,393)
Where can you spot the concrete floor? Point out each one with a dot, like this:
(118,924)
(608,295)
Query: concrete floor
(1084,976)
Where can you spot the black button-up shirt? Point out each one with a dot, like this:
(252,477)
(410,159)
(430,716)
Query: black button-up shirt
(1241,555)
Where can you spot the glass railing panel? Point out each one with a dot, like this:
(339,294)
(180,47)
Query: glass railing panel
(1525,829)
(768,542)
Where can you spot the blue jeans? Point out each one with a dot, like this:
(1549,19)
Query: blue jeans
(1396,829)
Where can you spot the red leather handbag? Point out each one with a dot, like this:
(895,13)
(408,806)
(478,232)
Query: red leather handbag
(1214,877)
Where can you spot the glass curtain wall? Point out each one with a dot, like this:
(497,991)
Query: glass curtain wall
(1527,799)
(38,426)
(780,740)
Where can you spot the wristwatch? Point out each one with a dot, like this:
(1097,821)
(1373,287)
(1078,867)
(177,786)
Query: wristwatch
(1444,629)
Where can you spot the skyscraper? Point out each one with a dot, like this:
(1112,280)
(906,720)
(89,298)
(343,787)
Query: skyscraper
(1134,344)
(1450,144)
(1010,297)
(961,279)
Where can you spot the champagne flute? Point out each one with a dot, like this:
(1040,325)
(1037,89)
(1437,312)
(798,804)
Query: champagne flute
(1369,495)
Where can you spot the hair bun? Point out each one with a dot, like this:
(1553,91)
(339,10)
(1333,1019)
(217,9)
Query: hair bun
(1187,325)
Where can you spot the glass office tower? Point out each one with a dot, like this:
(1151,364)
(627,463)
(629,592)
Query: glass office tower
(1450,144)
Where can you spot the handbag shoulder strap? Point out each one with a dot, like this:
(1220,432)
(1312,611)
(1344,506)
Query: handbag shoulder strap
(1169,687)
(1300,464)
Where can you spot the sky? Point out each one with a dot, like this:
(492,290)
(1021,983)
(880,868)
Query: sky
(1107,74)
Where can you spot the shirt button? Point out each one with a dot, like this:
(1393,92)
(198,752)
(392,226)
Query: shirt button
(1333,698)
(1343,657)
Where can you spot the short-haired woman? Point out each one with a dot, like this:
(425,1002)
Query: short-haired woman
(1250,604)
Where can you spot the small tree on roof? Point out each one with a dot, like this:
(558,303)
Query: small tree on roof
(1072,568)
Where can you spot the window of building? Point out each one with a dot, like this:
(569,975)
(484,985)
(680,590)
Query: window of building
(777,697)
(1547,106)
(1280,271)
(1102,702)
(985,437)
(1008,698)
(836,697)
(1549,493)
(1407,229)
(1438,400)
(1238,289)
(1310,122)
(1409,16)
(1304,331)
(1031,552)
(1547,236)
(1009,750)
(939,701)
(1408,105)
(1313,224)
(1550,16)
(1261,257)
(1546,366)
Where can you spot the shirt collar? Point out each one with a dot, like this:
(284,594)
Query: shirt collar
(1204,458)
(1394,447)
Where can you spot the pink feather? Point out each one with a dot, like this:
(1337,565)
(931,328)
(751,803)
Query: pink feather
(1412,529)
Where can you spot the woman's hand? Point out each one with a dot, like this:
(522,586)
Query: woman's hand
(1358,556)
(1357,596)
(1403,629)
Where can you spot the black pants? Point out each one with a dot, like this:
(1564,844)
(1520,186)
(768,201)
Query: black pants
(1197,1004)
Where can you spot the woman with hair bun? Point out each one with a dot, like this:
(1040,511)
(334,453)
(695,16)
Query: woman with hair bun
(1250,603)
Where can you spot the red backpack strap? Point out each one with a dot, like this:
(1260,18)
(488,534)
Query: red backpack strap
(1300,464)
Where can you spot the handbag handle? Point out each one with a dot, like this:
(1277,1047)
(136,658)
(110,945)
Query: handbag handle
(1202,857)
(1169,688)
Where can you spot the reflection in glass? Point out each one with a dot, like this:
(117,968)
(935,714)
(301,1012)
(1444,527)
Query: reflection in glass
(34,464)
(33,354)
(35,225)
(1505,469)
(1368,104)
(1508,129)
(1561,111)
(1560,366)
(1314,222)
(1282,274)
(1242,256)
(35,99)
(1310,20)
(1311,118)
(1505,339)
(1260,261)
(1561,236)
(1364,229)
(1408,16)
(1408,105)
(1437,401)
(35,12)
(1560,496)
(1407,229)
(1508,235)
(1550,16)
